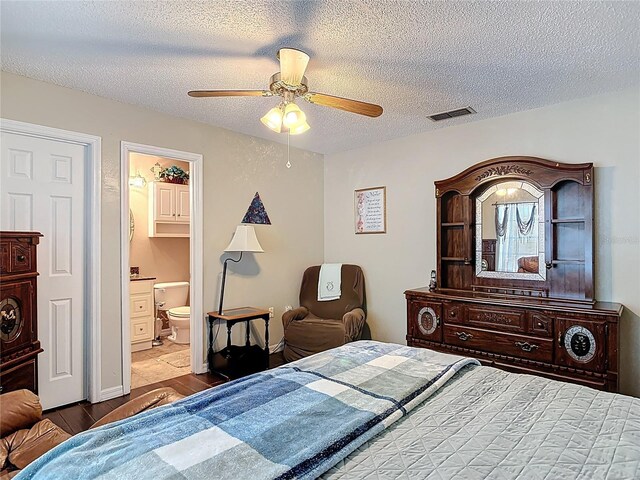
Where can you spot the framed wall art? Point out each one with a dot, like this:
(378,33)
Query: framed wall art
(371,210)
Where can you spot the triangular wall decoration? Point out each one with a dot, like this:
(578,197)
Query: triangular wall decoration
(256,213)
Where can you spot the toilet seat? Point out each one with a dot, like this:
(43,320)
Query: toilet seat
(180,312)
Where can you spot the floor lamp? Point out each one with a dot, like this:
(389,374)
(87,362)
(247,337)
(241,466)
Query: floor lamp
(244,240)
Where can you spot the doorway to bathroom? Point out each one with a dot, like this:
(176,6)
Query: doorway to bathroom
(162,258)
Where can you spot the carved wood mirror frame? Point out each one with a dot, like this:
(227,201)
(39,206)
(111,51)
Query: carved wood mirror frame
(566,207)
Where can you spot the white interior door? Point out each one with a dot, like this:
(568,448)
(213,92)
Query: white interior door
(42,188)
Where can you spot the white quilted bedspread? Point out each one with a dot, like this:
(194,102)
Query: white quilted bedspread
(487,423)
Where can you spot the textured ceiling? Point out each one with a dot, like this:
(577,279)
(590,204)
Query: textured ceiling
(413,58)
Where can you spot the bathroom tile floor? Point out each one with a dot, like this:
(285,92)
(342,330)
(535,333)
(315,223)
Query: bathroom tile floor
(147,367)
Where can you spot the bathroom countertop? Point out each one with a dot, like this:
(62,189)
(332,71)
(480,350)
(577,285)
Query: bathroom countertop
(141,277)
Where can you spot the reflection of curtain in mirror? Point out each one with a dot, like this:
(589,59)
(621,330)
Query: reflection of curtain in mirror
(519,239)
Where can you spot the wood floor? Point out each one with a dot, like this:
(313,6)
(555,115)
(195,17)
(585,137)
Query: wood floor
(79,417)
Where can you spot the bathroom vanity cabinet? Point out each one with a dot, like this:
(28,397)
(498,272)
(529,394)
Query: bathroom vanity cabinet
(169,210)
(141,314)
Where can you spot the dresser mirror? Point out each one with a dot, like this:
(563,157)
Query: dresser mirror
(510,232)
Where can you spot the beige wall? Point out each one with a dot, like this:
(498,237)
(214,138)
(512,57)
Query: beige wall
(167,259)
(235,167)
(603,130)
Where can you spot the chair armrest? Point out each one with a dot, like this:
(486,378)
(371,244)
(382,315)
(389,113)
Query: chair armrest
(24,446)
(20,409)
(353,322)
(295,314)
(146,401)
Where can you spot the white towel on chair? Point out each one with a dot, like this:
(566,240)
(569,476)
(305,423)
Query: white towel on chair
(329,282)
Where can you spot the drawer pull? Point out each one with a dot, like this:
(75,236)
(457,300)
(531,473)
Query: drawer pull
(452,313)
(540,325)
(464,336)
(21,258)
(526,346)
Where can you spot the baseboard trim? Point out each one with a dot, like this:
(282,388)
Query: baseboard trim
(113,392)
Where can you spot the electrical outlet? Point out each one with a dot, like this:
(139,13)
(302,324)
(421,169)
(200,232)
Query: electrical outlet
(287,308)
(270,312)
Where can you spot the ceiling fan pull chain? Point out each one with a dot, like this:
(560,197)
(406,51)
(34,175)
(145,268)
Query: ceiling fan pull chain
(288,150)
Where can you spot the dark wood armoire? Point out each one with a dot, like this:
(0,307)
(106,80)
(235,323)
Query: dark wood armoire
(18,311)
(515,269)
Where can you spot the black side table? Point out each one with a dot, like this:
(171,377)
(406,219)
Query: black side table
(235,361)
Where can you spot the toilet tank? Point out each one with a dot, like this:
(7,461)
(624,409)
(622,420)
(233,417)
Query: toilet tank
(173,294)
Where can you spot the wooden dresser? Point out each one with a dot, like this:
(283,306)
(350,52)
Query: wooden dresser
(515,274)
(18,309)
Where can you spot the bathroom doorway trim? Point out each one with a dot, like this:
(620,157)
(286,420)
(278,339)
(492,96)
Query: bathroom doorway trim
(195,160)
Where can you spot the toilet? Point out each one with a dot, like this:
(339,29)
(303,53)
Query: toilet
(173,297)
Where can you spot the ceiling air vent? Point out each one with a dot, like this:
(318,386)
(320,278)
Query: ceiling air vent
(458,112)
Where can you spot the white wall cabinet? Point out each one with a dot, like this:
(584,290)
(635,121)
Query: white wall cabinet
(169,210)
(141,311)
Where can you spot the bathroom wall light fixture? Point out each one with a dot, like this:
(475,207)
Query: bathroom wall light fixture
(137,181)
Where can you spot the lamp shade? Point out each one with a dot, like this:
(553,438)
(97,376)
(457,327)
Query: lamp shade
(293,116)
(244,240)
(273,119)
(298,129)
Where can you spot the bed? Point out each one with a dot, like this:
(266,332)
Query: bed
(367,410)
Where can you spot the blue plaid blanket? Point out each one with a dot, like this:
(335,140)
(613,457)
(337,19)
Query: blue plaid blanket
(295,421)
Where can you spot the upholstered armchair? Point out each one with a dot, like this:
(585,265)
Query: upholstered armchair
(317,326)
(528,264)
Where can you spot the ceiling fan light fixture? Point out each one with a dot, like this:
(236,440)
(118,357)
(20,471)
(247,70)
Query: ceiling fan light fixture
(298,129)
(273,119)
(293,116)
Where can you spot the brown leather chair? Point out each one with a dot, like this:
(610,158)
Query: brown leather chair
(25,435)
(528,264)
(317,326)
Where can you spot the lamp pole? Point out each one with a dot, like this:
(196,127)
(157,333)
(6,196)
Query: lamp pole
(224,278)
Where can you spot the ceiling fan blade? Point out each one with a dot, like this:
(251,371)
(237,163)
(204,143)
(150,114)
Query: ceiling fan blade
(230,93)
(353,106)
(293,64)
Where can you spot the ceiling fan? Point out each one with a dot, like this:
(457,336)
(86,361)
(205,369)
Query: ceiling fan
(290,83)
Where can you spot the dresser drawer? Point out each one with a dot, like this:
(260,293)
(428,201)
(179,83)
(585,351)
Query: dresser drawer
(17,257)
(540,324)
(20,376)
(454,312)
(503,343)
(501,318)
(141,306)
